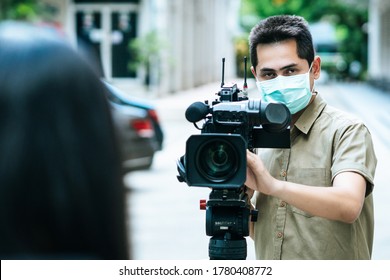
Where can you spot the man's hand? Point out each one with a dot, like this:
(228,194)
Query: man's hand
(258,177)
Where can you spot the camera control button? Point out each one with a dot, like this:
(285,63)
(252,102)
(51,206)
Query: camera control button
(202,204)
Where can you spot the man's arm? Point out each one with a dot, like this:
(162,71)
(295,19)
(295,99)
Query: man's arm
(342,202)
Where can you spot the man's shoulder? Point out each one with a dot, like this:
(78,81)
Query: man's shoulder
(335,117)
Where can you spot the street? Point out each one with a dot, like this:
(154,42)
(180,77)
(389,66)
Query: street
(165,219)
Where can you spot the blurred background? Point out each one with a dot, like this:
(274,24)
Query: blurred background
(159,56)
(172,45)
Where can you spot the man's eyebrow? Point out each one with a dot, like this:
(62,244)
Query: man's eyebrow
(289,66)
(265,69)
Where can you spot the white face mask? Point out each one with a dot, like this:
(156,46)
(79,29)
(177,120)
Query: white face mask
(293,91)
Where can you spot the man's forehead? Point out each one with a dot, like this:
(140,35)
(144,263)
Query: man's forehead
(278,55)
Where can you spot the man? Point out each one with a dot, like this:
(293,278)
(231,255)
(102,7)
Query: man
(315,199)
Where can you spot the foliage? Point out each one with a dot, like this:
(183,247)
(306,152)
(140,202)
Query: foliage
(350,17)
(144,48)
(146,51)
(18,9)
(241,50)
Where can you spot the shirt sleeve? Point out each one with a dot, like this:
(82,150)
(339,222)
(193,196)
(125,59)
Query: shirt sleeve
(354,151)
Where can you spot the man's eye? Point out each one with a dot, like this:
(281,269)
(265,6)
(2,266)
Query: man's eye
(268,75)
(290,71)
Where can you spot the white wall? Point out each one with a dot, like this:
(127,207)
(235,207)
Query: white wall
(199,33)
(379,40)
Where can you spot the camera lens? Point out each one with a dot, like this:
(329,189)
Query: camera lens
(217,160)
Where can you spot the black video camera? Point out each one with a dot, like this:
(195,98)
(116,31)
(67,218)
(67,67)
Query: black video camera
(216,158)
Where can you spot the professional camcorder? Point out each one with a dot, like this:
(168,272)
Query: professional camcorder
(216,158)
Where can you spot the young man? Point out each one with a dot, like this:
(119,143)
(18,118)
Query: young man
(315,199)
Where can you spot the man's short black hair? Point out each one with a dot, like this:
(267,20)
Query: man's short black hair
(279,28)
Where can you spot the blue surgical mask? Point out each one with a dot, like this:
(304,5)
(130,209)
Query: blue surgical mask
(293,91)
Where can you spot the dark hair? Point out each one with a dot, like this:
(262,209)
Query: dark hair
(61,188)
(279,28)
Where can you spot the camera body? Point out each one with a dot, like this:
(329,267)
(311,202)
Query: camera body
(216,158)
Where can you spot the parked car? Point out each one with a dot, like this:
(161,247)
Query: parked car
(138,128)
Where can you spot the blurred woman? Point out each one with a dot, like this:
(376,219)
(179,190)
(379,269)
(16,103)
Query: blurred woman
(61,189)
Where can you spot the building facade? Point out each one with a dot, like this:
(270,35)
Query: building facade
(185,40)
(379,43)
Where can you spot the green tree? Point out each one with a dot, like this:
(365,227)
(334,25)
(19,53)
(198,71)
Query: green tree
(18,9)
(348,16)
(146,51)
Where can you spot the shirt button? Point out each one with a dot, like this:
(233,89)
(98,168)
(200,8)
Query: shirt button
(279,234)
(283,173)
(282,204)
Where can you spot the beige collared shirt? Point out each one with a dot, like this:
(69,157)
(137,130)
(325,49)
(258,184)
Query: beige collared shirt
(324,142)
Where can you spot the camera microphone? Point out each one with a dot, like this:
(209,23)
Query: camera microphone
(197,111)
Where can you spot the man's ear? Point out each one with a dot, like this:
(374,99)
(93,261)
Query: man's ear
(316,68)
(253,71)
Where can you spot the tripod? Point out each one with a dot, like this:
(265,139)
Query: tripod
(227,221)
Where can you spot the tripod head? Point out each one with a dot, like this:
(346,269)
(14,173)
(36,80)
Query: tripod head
(227,221)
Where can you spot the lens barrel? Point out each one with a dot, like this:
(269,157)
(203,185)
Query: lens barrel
(216,160)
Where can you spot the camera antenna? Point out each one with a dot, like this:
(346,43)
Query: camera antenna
(223,72)
(245,87)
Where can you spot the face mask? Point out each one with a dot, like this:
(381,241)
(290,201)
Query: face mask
(293,91)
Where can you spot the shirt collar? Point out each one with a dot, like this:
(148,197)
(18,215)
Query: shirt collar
(311,113)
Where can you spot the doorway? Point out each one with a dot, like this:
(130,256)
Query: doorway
(103,33)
